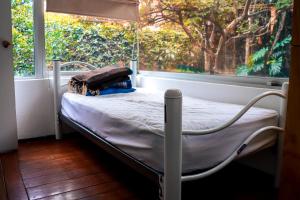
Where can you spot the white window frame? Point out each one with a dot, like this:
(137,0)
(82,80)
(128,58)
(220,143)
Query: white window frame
(39,38)
(39,57)
(247,81)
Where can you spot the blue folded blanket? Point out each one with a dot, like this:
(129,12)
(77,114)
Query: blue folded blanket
(119,87)
(116,91)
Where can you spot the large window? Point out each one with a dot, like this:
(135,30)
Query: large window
(223,37)
(94,40)
(23,44)
(228,37)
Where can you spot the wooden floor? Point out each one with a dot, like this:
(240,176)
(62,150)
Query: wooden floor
(74,168)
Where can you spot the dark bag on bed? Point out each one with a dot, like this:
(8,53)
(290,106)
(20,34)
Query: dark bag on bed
(95,79)
(98,79)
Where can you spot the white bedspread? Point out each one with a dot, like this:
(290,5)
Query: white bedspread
(131,122)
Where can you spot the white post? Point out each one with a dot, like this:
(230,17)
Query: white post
(39,38)
(56,96)
(133,67)
(282,120)
(283,105)
(173,145)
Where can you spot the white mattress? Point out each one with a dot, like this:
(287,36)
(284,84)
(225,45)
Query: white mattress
(131,122)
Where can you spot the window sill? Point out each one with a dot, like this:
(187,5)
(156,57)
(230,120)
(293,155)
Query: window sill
(30,78)
(260,82)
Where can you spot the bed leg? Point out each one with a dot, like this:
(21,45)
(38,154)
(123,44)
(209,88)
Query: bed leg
(58,128)
(56,97)
(173,145)
(278,161)
(161,187)
(280,142)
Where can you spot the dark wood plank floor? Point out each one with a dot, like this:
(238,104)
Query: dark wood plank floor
(3,192)
(74,168)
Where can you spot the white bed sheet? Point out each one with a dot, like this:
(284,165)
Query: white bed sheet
(131,122)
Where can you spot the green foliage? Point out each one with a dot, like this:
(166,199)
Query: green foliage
(281,4)
(166,49)
(243,70)
(259,55)
(22,30)
(97,43)
(273,66)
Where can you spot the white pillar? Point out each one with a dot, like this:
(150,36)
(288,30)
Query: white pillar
(282,120)
(283,105)
(133,67)
(39,38)
(56,96)
(173,146)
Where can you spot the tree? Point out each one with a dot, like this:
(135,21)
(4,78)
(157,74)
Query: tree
(211,25)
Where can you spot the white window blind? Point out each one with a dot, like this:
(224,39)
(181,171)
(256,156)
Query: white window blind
(115,9)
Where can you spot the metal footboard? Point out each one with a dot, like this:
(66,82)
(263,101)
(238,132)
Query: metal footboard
(234,155)
(173,139)
(237,116)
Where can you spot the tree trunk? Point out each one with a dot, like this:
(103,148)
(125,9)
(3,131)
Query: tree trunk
(208,63)
(219,59)
(206,59)
(248,45)
(219,64)
(234,55)
(247,51)
(276,38)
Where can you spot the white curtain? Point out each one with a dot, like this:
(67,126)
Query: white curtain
(114,9)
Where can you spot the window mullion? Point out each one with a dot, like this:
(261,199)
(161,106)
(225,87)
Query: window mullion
(39,38)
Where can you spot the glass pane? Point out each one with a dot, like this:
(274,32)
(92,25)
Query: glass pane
(227,37)
(99,42)
(22,30)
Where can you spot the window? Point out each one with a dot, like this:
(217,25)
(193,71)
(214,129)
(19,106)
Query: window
(227,37)
(23,37)
(222,37)
(93,40)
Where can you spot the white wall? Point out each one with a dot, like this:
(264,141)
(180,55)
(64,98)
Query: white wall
(34,106)
(8,127)
(211,91)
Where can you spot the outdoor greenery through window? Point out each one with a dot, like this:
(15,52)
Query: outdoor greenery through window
(235,37)
(93,40)
(226,37)
(22,30)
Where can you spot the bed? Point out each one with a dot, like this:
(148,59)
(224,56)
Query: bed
(167,138)
(134,123)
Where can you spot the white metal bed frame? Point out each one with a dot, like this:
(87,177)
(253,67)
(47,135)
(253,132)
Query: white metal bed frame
(171,181)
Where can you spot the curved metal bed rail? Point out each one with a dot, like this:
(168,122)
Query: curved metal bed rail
(173,149)
(237,116)
(88,65)
(236,153)
(57,90)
